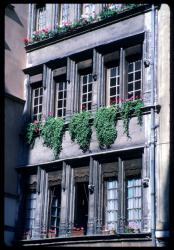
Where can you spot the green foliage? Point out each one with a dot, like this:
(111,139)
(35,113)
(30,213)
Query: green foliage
(105,121)
(32,131)
(80,129)
(127,109)
(52,133)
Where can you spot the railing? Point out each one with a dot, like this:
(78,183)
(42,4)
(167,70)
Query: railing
(68,230)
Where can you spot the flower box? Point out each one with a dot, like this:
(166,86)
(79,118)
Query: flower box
(77,231)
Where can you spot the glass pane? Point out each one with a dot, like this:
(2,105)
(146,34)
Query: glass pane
(137,65)
(89,106)
(36,92)
(137,94)
(35,110)
(130,87)
(40,100)
(60,104)
(138,85)
(90,78)
(113,71)
(138,75)
(84,88)
(35,101)
(60,112)
(130,95)
(60,95)
(112,91)
(84,106)
(41,91)
(89,96)
(84,79)
(130,67)
(112,82)
(40,109)
(130,77)
(89,87)
(61,86)
(84,98)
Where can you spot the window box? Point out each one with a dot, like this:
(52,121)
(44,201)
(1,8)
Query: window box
(77,231)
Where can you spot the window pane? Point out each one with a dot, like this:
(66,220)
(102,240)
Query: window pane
(36,101)
(137,75)
(89,96)
(89,106)
(137,65)
(61,86)
(84,88)
(138,85)
(130,77)
(113,82)
(112,91)
(130,67)
(130,87)
(84,79)
(90,87)
(84,98)
(60,95)
(113,71)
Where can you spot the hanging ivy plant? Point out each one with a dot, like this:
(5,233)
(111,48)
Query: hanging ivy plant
(32,131)
(131,107)
(80,129)
(105,122)
(52,133)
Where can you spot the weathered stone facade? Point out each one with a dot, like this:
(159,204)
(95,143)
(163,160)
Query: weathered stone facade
(96,47)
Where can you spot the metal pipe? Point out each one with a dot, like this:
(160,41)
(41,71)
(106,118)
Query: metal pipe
(152,132)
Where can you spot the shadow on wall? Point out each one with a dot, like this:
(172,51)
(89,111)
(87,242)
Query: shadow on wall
(11,13)
(7,47)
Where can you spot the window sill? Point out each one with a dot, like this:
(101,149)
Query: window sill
(130,237)
(88,27)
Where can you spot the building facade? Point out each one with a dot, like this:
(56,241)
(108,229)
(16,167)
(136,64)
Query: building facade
(82,59)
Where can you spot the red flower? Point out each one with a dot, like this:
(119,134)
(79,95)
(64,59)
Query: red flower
(26,41)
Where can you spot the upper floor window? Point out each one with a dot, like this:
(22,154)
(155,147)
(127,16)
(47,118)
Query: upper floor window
(40,16)
(89,9)
(134,78)
(123,74)
(64,14)
(37,102)
(86,92)
(60,104)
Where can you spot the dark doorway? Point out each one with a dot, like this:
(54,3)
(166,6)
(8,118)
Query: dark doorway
(81,205)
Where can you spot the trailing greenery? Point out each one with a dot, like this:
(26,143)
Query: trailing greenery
(52,133)
(132,107)
(105,121)
(32,131)
(80,129)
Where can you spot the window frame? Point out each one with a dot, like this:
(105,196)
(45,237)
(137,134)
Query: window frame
(34,87)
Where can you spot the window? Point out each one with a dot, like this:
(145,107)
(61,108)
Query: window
(122,200)
(133,186)
(61,91)
(86,92)
(30,212)
(37,102)
(65,14)
(134,79)
(123,74)
(55,205)
(89,9)
(40,16)
(111,217)
(114,84)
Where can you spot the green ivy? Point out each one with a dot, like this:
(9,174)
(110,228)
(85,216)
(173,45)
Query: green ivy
(52,133)
(32,131)
(105,122)
(127,109)
(80,129)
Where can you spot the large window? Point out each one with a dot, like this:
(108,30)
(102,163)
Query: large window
(122,201)
(55,205)
(86,92)
(30,213)
(37,101)
(40,16)
(64,14)
(60,104)
(123,74)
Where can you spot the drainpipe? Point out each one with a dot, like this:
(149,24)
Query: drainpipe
(152,133)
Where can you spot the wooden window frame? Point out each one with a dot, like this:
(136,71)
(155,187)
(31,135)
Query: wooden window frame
(63,99)
(39,87)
